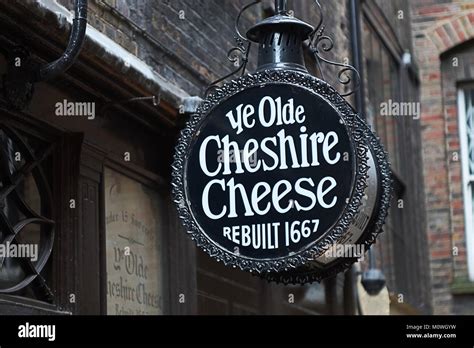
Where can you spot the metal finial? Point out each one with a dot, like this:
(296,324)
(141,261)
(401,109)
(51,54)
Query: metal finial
(281,6)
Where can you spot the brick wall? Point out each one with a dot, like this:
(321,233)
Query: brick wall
(397,13)
(451,75)
(185,41)
(438,27)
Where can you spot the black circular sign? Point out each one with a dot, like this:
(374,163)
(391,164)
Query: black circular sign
(266,176)
(269,171)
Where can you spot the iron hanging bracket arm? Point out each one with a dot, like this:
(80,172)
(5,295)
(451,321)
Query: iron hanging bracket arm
(319,43)
(238,55)
(76,39)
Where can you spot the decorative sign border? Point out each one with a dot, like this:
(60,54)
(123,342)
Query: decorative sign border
(262,78)
(309,273)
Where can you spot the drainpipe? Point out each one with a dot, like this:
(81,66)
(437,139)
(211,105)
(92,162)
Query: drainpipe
(356,42)
(76,39)
(351,296)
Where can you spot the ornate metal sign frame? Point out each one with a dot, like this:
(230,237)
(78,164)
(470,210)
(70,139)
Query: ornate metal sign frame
(230,89)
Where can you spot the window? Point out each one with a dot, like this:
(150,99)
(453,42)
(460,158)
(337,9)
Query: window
(466,134)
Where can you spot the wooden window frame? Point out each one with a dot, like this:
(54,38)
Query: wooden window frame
(467,179)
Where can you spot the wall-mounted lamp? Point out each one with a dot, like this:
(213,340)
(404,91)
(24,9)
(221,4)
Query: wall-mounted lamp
(373,280)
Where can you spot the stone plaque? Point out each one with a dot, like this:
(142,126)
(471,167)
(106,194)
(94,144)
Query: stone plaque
(133,247)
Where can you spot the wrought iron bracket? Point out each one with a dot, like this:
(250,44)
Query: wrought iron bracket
(318,44)
(321,43)
(238,55)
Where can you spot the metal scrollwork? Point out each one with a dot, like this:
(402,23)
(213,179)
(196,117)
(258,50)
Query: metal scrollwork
(238,55)
(319,43)
(16,215)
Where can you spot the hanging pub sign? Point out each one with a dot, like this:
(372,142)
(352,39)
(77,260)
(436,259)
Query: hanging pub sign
(275,169)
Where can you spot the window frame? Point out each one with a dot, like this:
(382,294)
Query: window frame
(467,180)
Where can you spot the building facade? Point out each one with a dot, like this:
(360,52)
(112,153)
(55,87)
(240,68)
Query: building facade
(443,40)
(90,157)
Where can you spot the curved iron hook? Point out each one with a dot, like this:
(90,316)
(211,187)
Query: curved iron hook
(319,40)
(321,18)
(242,51)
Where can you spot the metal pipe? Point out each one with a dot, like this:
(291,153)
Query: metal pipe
(281,6)
(76,39)
(372,264)
(357,55)
(350,300)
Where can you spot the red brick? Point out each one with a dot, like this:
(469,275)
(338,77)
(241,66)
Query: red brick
(441,254)
(434,76)
(444,38)
(431,117)
(429,10)
(458,27)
